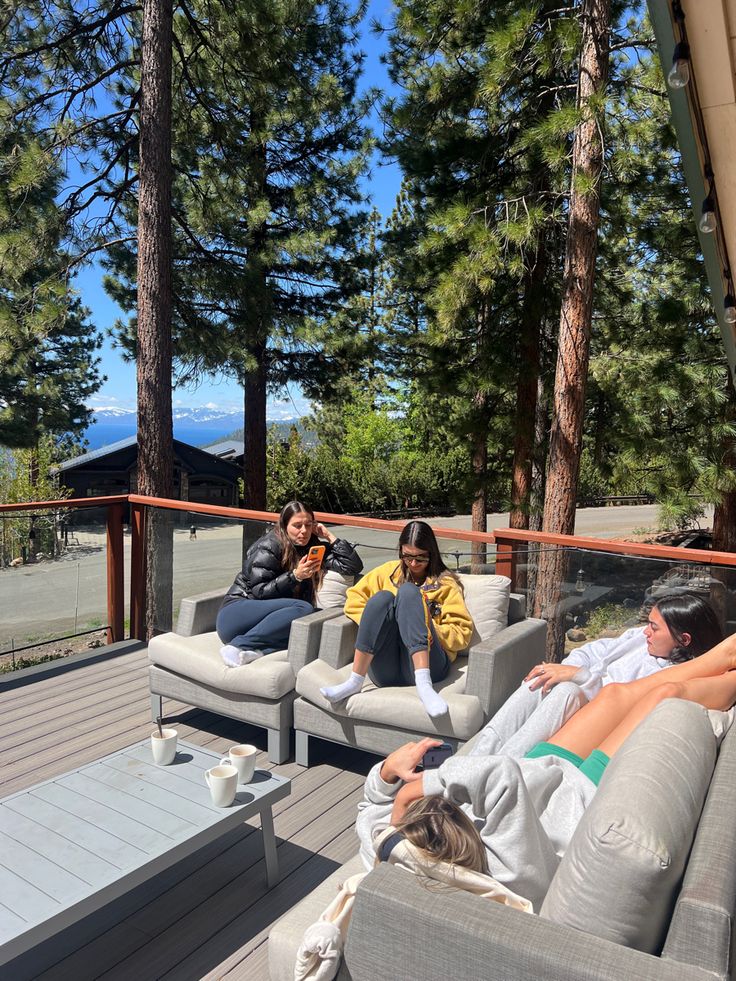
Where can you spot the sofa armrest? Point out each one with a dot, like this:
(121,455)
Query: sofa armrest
(497,666)
(197,614)
(453,934)
(305,637)
(337,647)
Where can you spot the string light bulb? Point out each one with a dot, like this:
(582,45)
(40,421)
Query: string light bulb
(679,74)
(729,309)
(707,223)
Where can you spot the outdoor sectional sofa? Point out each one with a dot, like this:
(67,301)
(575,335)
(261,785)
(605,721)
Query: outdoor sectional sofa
(504,647)
(646,890)
(185,664)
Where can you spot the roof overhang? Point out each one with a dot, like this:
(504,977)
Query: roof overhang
(704,116)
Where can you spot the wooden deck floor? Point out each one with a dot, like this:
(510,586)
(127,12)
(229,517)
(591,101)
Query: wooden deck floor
(210,916)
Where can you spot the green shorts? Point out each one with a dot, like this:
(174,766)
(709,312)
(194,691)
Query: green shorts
(593,767)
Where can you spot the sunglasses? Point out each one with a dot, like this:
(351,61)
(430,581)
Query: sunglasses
(414,559)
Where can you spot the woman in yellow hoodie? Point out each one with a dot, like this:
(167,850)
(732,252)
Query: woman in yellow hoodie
(412,621)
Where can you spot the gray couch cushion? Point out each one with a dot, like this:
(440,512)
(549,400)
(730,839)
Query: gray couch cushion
(199,658)
(397,707)
(286,935)
(334,590)
(619,876)
(702,928)
(487,601)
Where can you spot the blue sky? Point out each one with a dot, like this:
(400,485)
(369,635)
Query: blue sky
(120,388)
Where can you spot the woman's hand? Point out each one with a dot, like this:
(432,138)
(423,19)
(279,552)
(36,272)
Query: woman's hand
(306,568)
(402,763)
(546,676)
(322,532)
(408,793)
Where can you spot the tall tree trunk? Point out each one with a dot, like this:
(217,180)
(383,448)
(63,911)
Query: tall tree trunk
(526,391)
(539,460)
(255,431)
(154,359)
(479,508)
(575,315)
(258,329)
(479,452)
(724,515)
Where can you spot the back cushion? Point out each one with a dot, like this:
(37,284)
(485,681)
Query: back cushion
(487,600)
(619,877)
(333,591)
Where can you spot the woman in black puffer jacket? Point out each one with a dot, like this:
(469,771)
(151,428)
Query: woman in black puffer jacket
(278,583)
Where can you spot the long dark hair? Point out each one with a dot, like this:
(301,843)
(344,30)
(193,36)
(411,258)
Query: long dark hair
(689,613)
(290,558)
(419,534)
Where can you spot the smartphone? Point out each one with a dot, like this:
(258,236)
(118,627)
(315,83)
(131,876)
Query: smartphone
(436,756)
(316,554)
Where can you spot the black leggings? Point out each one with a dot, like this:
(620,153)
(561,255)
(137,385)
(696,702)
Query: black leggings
(392,628)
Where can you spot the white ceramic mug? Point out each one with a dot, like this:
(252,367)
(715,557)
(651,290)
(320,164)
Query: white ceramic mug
(163,747)
(223,783)
(243,758)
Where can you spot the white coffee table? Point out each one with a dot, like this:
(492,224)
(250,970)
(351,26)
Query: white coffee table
(72,844)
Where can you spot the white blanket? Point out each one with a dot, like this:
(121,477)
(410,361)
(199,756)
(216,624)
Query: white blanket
(318,957)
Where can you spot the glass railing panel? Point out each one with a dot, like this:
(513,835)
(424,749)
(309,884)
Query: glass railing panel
(586,594)
(53,585)
(195,553)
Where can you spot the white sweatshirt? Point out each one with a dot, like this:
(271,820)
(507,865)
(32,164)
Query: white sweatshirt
(525,811)
(608,659)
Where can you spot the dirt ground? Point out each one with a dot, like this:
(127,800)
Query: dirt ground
(51,650)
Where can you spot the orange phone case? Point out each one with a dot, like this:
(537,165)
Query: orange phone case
(317,552)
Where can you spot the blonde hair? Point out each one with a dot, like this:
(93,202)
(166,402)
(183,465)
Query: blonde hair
(441,829)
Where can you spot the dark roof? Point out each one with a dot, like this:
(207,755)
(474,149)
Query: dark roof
(228,447)
(123,454)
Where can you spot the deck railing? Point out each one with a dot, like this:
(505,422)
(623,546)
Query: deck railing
(511,552)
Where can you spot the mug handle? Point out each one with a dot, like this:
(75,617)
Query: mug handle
(225,761)
(207,778)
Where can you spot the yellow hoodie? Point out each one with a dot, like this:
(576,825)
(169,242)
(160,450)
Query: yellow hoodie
(443,602)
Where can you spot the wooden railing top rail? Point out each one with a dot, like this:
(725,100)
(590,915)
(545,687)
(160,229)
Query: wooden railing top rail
(499,536)
(71,502)
(509,535)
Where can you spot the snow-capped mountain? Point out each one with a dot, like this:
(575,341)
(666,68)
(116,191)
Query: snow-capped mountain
(196,425)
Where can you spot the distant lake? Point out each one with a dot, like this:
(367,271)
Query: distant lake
(103,433)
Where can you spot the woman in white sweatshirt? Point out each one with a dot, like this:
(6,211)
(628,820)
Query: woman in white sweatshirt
(681,626)
(527,809)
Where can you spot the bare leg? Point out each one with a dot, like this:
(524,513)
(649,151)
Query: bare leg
(420,659)
(596,721)
(712,693)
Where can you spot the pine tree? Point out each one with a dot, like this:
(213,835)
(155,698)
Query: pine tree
(269,147)
(480,132)
(576,313)
(48,364)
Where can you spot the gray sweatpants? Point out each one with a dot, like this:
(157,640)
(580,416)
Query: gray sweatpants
(528,718)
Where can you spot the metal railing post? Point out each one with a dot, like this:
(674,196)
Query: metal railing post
(115,574)
(505,559)
(138,571)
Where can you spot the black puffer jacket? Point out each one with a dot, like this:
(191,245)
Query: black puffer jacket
(263,575)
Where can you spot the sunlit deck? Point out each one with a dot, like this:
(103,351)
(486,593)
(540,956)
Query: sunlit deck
(210,916)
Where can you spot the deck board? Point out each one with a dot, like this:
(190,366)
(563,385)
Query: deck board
(209,917)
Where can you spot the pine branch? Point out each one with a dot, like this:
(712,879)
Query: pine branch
(83,29)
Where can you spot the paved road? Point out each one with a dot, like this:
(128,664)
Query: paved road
(51,599)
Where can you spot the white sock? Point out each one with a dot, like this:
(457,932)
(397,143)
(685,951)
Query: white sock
(433,702)
(336,693)
(230,654)
(235,657)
